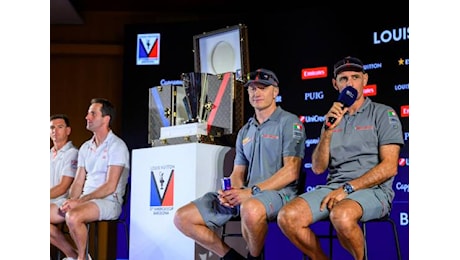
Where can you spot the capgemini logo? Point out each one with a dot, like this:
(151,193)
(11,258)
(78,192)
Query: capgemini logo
(164,82)
(309,142)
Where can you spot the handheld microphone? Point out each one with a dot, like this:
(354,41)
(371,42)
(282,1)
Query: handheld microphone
(347,97)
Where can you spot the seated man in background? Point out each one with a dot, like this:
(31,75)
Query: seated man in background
(99,185)
(361,151)
(63,158)
(269,152)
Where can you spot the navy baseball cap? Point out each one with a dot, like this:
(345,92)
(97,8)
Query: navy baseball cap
(262,76)
(348,64)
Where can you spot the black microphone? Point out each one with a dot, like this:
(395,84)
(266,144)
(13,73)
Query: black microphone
(347,97)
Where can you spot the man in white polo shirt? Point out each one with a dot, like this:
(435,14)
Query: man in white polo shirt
(63,158)
(100,182)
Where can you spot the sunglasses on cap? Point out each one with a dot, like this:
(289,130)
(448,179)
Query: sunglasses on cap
(260,75)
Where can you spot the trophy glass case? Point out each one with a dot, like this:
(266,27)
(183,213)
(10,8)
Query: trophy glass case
(208,106)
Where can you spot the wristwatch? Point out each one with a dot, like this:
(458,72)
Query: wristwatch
(348,188)
(255,189)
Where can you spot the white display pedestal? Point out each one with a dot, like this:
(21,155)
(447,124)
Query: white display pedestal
(163,179)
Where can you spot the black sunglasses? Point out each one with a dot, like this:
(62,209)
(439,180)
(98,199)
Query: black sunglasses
(258,75)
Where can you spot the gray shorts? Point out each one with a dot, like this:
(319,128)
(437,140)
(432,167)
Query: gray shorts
(216,215)
(58,201)
(109,208)
(373,201)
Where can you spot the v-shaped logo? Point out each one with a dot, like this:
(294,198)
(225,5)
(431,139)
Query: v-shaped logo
(161,186)
(148,49)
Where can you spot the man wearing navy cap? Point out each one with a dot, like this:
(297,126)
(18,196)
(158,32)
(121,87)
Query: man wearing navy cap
(360,150)
(269,152)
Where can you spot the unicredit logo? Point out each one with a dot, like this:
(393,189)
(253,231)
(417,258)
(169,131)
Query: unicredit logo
(403,162)
(312,119)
